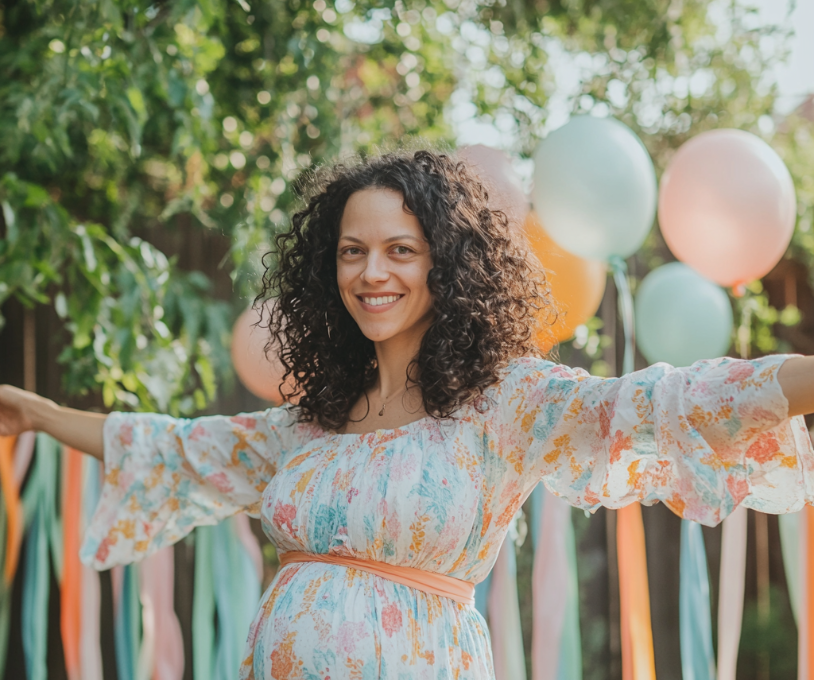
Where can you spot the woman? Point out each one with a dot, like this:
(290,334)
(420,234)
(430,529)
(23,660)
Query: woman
(424,419)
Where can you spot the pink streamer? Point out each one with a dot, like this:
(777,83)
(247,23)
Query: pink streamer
(803,622)
(549,591)
(90,647)
(23,452)
(730,601)
(162,652)
(117,582)
(504,617)
(250,543)
(90,652)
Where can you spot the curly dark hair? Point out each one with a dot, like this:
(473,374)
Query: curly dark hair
(486,290)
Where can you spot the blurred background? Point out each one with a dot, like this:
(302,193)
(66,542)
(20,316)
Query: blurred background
(150,151)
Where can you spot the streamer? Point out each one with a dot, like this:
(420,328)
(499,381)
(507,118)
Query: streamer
(504,615)
(697,660)
(638,661)
(730,598)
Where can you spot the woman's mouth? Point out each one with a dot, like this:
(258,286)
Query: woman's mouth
(379,303)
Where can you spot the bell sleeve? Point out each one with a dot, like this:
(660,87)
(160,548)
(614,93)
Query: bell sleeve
(701,439)
(163,476)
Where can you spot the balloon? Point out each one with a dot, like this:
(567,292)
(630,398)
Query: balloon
(262,376)
(727,206)
(577,284)
(681,317)
(595,188)
(495,170)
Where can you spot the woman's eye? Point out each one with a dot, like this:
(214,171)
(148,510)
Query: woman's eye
(402,250)
(352,251)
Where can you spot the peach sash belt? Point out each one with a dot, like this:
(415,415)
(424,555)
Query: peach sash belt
(427,581)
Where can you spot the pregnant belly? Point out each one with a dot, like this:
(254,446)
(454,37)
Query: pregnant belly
(329,622)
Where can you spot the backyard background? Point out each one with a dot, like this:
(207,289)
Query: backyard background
(150,151)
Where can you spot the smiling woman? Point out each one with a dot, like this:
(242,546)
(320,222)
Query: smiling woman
(415,227)
(398,288)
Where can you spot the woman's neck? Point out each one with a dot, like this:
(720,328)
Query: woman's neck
(393,358)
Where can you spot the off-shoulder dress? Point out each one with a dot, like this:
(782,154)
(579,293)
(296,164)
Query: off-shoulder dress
(439,496)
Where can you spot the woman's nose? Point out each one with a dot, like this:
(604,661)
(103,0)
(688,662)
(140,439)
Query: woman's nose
(376,269)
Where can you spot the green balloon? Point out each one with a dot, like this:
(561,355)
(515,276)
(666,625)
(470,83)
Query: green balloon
(681,317)
(595,188)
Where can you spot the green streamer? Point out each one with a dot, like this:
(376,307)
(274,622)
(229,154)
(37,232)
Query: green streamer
(36,591)
(203,607)
(38,502)
(790,545)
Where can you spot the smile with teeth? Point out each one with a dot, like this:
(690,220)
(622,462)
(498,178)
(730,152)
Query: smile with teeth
(376,301)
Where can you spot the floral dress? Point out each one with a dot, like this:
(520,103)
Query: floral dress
(439,496)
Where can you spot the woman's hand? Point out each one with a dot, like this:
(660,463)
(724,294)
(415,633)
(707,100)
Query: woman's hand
(18,410)
(21,411)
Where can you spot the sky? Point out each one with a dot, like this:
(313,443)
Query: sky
(795,78)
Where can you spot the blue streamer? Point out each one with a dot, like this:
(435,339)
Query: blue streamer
(482,595)
(237,592)
(697,660)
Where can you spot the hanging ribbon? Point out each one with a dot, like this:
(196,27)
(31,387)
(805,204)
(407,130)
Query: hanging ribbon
(504,614)
(39,503)
(12,523)
(697,658)
(203,606)
(730,598)
(71,586)
(23,454)
(162,651)
(790,545)
(482,595)
(90,649)
(237,590)
(14,518)
(637,635)
(806,662)
(638,662)
(556,647)
(126,620)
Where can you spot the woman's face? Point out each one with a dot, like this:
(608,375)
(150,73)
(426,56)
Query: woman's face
(382,263)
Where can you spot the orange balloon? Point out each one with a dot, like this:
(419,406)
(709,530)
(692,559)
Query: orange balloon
(262,376)
(577,285)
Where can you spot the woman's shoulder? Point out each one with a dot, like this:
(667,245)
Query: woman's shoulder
(525,373)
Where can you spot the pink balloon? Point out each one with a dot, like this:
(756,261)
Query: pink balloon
(262,376)
(495,170)
(727,206)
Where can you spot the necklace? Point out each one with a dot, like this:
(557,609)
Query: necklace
(390,398)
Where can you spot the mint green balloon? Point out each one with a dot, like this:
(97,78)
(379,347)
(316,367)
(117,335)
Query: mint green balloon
(595,188)
(681,317)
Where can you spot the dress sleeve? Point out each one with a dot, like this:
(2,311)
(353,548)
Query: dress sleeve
(164,476)
(702,439)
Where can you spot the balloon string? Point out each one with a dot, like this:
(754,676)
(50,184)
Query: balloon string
(745,328)
(619,268)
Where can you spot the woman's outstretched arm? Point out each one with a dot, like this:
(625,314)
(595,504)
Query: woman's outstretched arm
(21,411)
(796,378)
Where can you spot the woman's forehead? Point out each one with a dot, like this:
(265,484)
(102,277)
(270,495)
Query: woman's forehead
(377,213)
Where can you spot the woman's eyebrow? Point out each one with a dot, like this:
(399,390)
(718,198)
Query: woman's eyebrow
(401,237)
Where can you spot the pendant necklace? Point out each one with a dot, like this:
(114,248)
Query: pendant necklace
(385,402)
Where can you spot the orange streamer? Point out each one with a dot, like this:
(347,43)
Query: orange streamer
(638,662)
(71,592)
(13,509)
(808,611)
